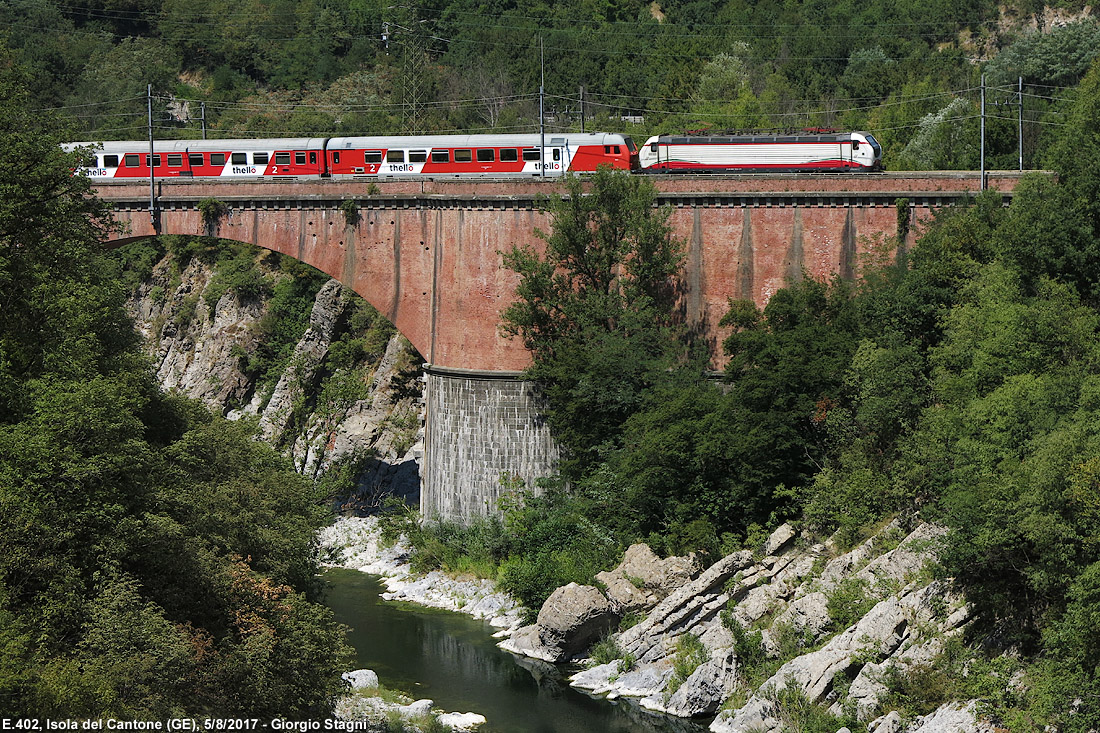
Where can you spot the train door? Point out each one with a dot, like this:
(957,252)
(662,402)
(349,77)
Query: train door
(555,161)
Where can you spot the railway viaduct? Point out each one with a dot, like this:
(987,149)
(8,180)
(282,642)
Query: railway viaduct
(427,255)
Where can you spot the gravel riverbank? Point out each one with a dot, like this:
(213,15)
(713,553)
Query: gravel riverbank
(354,543)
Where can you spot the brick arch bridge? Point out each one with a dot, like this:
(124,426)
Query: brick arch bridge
(426,254)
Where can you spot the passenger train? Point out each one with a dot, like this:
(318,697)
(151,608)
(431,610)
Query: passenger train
(486,156)
(427,156)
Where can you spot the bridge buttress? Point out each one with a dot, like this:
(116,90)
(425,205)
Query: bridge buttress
(483,430)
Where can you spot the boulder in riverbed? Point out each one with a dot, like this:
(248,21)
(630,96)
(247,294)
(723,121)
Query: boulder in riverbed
(642,579)
(361,678)
(571,619)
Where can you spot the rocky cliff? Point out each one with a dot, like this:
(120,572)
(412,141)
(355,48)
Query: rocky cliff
(764,641)
(328,400)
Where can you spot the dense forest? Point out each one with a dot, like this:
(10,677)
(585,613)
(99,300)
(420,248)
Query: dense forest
(958,385)
(156,560)
(909,72)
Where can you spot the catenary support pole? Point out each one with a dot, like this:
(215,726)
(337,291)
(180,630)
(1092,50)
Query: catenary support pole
(152,168)
(542,110)
(582,107)
(1020,117)
(983,135)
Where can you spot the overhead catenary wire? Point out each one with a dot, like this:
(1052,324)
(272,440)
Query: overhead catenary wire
(630,27)
(282,107)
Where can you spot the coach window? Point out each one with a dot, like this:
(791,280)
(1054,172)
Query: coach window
(238,158)
(509,155)
(217,159)
(131,160)
(531,154)
(485,155)
(194,159)
(260,158)
(463,156)
(175,160)
(156,160)
(110,161)
(280,158)
(372,156)
(300,158)
(418,156)
(395,156)
(441,156)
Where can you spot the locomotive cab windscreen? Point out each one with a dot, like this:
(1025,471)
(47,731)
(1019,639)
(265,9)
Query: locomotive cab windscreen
(632,151)
(649,154)
(866,150)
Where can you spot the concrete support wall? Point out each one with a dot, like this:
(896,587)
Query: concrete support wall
(479,426)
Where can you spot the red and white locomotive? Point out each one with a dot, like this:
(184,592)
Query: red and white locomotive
(805,152)
(428,156)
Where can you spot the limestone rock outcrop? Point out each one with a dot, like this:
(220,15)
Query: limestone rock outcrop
(571,619)
(642,578)
(200,350)
(791,601)
(304,363)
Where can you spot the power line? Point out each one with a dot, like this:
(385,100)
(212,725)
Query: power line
(478,20)
(920,124)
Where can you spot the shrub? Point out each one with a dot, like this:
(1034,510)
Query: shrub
(748,646)
(848,602)
(690,653)
(798,714)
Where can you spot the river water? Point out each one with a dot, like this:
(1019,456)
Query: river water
(453,659)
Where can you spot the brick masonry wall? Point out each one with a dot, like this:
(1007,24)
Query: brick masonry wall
(427,253)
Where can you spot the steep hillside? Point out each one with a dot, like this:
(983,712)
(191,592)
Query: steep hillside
(908,72)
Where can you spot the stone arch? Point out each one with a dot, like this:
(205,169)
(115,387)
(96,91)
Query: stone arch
(434,272)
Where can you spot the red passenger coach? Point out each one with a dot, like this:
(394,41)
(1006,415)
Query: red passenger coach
(276,158)
(460,156)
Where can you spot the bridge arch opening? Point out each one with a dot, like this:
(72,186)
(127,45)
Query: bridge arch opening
(453,433)
(260,336)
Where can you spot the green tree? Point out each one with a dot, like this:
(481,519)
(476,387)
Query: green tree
(595,309)
(154,561)
(1059,57)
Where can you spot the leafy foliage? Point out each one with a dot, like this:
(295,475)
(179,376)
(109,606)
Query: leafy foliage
(596,309)
(154,561)
(690,653)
